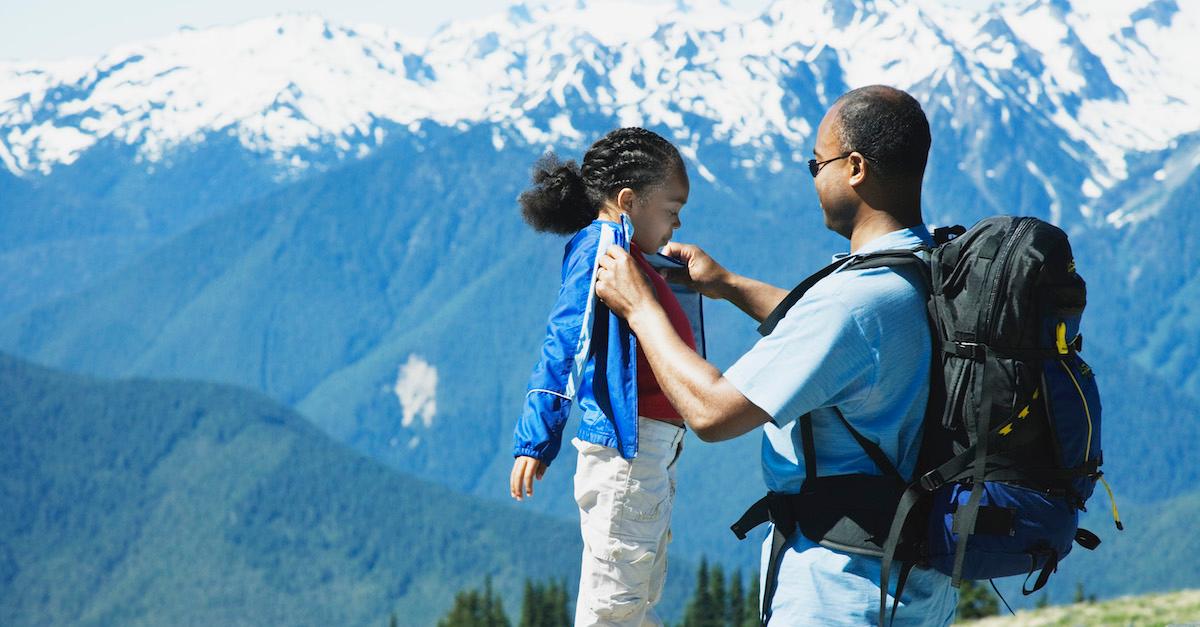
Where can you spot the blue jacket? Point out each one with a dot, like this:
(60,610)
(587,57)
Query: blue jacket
(589,356)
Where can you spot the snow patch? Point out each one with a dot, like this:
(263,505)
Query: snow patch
(416,389)
(1048,185)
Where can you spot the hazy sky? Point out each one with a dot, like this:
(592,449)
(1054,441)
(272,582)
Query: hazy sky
(54,29)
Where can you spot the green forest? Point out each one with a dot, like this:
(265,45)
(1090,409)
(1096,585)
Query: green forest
(718,600)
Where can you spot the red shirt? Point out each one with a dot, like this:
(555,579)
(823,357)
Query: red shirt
(652,403)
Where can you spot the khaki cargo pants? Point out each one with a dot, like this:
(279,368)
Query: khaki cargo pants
(625,517)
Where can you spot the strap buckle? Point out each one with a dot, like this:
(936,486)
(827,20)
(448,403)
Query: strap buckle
(932,480)
(969,350)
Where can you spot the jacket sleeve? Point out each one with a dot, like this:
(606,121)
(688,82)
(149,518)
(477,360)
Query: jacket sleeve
(538,433)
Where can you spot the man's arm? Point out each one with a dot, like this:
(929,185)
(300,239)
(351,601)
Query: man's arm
(709,404)
(754,297)
(708,277)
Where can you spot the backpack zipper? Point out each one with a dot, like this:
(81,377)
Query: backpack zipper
(1020,231)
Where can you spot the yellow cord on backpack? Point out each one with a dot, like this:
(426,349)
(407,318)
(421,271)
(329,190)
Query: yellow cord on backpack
(1060,338)
(1087,453)
(1113,502)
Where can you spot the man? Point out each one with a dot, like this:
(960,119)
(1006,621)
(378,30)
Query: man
(857,341)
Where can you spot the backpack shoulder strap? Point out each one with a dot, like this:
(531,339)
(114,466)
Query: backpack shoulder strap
(873,451)
(896,258)
(880,259)
(794,296)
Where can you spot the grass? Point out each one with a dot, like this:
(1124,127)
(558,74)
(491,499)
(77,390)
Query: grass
(1173,608)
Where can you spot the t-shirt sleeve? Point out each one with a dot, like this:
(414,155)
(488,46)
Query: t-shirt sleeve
(815,354)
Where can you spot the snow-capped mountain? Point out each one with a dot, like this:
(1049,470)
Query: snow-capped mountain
(1115,76)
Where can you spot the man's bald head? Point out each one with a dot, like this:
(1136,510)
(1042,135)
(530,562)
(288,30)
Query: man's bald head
(887,126)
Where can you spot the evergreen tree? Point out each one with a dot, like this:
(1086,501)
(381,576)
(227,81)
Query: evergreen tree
(699,612)
(493,607)
(530,605)
(717,602)
(1080,597)
(565,615)
(464,612)
(1043,601)
(720,603)
(545,605)
(737,601)
(473,609)
(975,600)
(752,610)
(392,622)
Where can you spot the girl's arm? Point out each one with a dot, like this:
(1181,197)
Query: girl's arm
(538,433)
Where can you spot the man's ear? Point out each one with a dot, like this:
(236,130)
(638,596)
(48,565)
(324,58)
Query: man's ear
(625,199)
(859,168)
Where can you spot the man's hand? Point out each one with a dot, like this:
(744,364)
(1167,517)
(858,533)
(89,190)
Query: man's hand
(700,273)
(711,279)
(621,285)
(524,471)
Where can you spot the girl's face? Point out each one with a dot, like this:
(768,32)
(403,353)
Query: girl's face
(655,213)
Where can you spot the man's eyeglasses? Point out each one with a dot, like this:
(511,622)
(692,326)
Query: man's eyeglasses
(814,166)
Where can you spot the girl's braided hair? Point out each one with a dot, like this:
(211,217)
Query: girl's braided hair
(565,197)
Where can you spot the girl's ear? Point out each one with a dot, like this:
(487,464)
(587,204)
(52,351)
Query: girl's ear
(625,199)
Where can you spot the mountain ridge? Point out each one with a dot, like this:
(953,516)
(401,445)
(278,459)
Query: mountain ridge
(216,505)
(324,92)
(396,299)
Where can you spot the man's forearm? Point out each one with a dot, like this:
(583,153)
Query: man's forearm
(756,298)
(709,404)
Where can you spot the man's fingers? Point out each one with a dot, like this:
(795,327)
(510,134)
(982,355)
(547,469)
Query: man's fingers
(675,275)
(676,250)
(614,257)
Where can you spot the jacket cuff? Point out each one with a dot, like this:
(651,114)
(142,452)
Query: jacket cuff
(530,452)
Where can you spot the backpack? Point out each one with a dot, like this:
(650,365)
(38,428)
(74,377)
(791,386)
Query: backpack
(1010,448)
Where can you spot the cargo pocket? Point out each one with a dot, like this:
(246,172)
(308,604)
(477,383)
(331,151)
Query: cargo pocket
(642,509)
(621,588)
(644,506)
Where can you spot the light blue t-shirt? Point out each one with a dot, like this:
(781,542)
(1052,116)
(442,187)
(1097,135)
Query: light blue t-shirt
(858,340)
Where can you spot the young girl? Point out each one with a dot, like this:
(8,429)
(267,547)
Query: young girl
(628,192)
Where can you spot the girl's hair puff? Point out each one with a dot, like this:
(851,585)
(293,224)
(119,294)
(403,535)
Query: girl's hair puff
(566,197)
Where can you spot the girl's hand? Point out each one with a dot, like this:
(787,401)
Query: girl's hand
(524,471)
(700,272)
